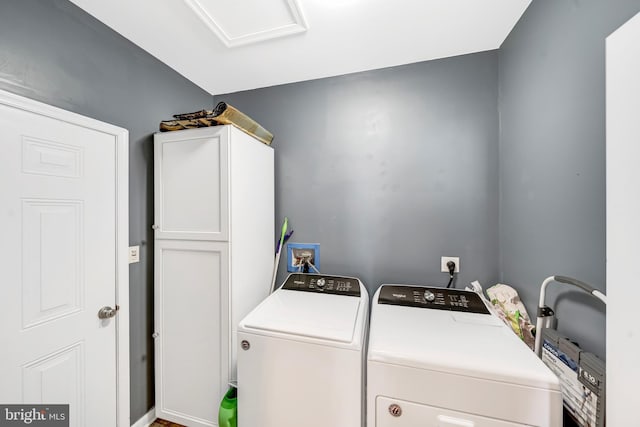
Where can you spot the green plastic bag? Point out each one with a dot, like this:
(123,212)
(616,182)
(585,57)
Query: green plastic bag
(228,414)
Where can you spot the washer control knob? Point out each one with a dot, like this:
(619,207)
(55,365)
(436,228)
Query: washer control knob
(395,410)
(429,296)
(320,283)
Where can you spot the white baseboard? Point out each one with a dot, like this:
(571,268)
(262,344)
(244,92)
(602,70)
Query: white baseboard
(147,419)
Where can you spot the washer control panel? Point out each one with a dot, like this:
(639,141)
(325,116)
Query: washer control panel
(433,298)
(335,285)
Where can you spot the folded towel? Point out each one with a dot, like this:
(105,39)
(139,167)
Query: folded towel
(225,114)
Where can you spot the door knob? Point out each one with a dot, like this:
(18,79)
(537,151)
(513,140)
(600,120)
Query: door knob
(107,312)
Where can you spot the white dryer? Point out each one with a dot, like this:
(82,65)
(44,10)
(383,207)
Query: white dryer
(439,357)
(302,355)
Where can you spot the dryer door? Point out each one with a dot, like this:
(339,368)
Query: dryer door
(399,413)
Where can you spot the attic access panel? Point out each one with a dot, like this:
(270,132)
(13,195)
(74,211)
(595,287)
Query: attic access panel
(250,21)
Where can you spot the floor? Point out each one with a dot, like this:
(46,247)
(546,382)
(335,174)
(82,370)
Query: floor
(162,423)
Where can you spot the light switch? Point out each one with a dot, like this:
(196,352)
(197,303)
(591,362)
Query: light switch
(134,254)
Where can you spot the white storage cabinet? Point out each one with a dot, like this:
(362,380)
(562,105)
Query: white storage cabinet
(214,251)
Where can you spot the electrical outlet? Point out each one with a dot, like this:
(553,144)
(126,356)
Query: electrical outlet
(445,259)
(299,253)
(134,254)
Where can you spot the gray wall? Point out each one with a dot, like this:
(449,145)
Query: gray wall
(552,155)
(390,169)
(54,52)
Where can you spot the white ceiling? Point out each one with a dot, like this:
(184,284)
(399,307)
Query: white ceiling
(226,46)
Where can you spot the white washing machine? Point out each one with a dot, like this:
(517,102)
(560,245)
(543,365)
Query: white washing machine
(302,355)
(439,357)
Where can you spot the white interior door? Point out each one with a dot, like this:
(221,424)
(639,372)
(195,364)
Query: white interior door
(623,223)
(59,265)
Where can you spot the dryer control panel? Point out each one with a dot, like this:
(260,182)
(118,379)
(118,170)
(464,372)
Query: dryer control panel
(433,298)
(318,283)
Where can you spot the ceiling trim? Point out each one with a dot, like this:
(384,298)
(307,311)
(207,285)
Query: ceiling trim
(298,26)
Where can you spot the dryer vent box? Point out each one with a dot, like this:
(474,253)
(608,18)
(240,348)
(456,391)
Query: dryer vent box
(299,253)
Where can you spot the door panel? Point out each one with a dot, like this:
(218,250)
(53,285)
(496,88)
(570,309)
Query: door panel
(58,260)
(45,157)
(52,260)
(57,377)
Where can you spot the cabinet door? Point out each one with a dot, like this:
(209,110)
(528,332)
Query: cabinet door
(192,330)
(191,184)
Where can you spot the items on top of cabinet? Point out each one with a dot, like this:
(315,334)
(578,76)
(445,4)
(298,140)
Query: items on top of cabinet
(223,114)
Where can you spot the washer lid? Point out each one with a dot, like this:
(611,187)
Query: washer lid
(304,314)
(461,343)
